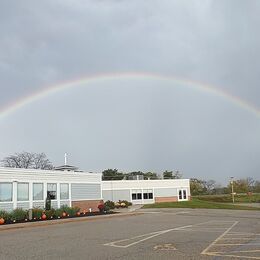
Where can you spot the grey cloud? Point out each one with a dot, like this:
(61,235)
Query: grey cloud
(216,42)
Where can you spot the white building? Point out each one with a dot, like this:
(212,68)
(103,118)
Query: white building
(147,191)
(29,188)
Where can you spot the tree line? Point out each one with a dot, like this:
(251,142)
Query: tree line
(114,174)
(210,187)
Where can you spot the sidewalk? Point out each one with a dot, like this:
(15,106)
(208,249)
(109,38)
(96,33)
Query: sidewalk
(132,208)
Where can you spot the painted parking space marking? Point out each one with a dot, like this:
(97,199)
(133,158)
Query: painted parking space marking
(241,245)
(164,212)
(235,245)
(124,243)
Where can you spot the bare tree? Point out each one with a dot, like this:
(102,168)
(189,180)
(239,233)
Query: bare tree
(27,160)
(210,185)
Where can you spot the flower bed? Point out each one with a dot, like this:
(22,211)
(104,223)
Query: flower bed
(21,216)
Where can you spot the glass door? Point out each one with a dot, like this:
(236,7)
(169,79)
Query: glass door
(182,195)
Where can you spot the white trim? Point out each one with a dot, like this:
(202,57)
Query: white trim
(15,194)
(70,203)
(30,195)
(44,191)
(58,194)
(182,189)
(150,187)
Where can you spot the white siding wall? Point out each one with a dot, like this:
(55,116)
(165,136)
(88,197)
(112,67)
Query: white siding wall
(116,195)
(83,191)
(6,206)
(120,190)
(146,184)
(86,186)
(165,192)
(38,204)
(65,203)
(24,205)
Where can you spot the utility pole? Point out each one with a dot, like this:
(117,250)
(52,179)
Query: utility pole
(232,189)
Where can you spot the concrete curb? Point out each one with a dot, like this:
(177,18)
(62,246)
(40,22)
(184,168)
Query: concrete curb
(64,221)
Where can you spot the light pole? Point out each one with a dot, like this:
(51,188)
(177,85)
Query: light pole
(232,189)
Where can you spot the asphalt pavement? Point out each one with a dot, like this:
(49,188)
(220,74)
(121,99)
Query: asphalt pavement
(150,234)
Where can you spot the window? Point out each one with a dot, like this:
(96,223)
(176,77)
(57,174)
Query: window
(22,191)
(38,191)
(136,194)
(52,191)
(148,194)
(134,197)
(64,191)
(6,191)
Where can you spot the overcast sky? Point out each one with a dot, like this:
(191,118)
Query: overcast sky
(134,124)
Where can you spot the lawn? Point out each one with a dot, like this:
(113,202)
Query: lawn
(239,198)
(196,203)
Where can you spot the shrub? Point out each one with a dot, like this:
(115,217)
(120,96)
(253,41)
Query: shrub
(57,213)
(72,211)
(117,205)
(109,204)
(106,208)
(5,215)
(18,214)
(49,213)
(48,204)
(124,203)
(37,213)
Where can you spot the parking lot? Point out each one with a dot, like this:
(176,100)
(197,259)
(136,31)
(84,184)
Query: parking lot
(151,234)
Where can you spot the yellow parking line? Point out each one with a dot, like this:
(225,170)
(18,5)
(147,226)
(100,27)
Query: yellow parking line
(205,251)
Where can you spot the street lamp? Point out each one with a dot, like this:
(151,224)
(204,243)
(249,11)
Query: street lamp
(232,189)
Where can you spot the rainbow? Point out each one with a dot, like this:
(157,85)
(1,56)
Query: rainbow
(62,86)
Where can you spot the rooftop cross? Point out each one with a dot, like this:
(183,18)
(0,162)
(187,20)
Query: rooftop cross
(65,158)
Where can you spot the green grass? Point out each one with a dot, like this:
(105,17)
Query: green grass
(196,203)
(239,198)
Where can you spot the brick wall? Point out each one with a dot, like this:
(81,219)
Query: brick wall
(165,199)
(86,204)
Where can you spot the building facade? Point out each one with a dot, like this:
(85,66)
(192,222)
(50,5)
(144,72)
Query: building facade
(29,188)
(147,191)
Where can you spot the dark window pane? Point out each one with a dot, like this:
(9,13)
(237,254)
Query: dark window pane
(134,196)
(52,191)
(51,195)
(145,196)
(180,195)
(184,194)
(150,196)
(139,196)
